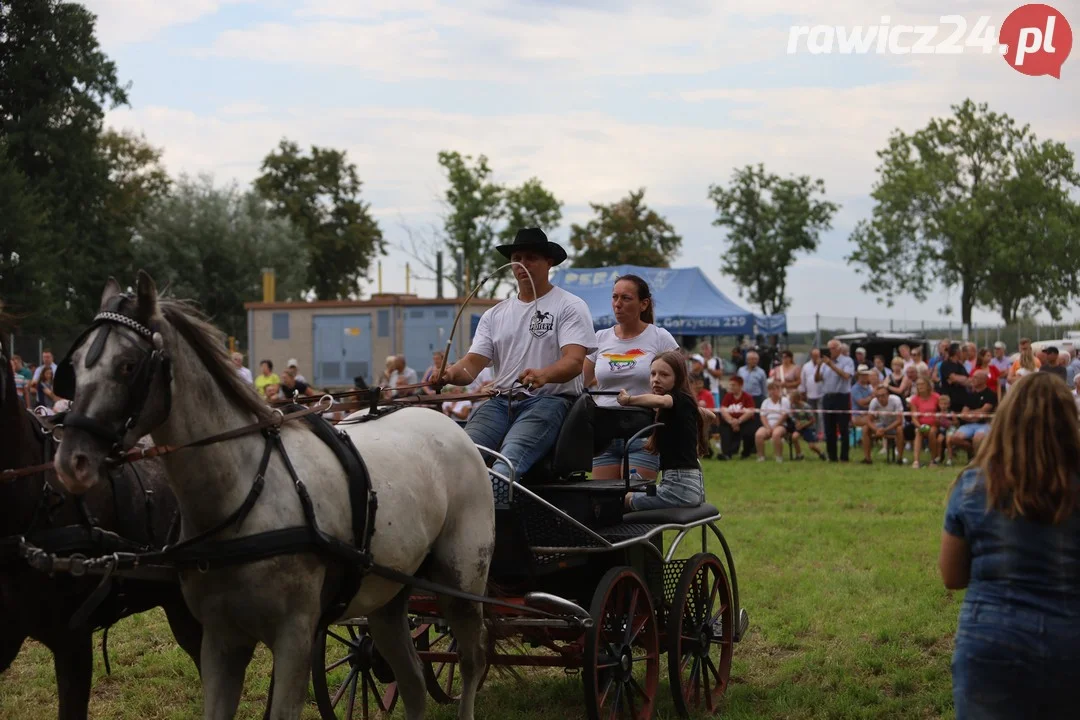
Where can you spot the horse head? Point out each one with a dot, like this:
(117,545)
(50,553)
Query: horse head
(118,379)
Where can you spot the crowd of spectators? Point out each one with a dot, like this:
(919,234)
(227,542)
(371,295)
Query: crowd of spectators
(836,397)
(839,396)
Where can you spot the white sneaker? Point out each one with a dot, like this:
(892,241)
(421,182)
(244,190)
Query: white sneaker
(779,459)
(881,451)
(915,465)
(761,458)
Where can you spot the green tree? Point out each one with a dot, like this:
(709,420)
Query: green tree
(320,194)
(768,219)
(481,214)
(474,213)
(24,289)
(136,173)
(1035,203)
(624,232)
(211,243)
(944,214)
(55,83)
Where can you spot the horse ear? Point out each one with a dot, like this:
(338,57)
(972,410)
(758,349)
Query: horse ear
(112,289)
(146,297)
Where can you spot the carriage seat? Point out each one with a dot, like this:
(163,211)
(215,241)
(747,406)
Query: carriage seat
(571,455)
(586,431)
(671,516)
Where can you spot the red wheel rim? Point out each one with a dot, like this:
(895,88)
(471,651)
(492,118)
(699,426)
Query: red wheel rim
(702,636)
(622,650)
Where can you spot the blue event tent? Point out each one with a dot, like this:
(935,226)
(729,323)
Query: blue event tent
(686,301)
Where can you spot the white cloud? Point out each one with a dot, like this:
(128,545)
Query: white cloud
(362,9)
(579,149)
(130,21)
(242,108)
(486,41)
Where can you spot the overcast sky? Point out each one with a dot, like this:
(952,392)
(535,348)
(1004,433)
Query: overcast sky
(594,97)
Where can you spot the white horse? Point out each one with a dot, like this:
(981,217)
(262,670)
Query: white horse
(433,491)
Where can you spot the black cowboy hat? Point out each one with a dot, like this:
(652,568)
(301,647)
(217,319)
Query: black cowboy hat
(534,239)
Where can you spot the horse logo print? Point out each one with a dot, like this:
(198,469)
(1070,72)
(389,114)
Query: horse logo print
(623,361)
(542,323)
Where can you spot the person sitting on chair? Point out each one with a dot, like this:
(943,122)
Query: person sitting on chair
(538,338)
(736,420)
(683,438)
(883,421)
(622,359)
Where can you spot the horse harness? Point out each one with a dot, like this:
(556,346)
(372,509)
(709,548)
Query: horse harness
(201,551)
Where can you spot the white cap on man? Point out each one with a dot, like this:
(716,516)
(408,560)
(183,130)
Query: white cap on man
(292,363)
(698,358)
(1000,344)
(863,369)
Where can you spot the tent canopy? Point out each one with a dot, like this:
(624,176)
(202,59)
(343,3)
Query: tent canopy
(685,301)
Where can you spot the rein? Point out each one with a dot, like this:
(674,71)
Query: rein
(136,454)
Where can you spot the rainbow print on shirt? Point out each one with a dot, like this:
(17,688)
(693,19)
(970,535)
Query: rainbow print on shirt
(623,361)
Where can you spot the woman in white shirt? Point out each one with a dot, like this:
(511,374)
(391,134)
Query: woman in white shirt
(774,414)
(621,362)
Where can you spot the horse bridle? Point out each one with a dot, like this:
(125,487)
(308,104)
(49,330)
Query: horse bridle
(155,360)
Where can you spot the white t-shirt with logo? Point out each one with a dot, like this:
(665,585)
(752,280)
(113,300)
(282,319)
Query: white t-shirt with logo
(886,415)
(624,364)
(772,410)
(515,336)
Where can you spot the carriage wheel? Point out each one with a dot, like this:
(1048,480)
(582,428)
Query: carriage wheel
(621,668)
(346,661)
(700,636)
(443,678)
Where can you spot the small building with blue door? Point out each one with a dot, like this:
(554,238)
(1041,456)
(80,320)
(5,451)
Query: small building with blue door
(335,341)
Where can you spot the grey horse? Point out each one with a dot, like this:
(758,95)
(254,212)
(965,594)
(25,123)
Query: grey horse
(435,506)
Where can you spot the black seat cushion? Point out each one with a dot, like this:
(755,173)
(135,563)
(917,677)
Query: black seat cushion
(672,516)
(572,453)
(618,424)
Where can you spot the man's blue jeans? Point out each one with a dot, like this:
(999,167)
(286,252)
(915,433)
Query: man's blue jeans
(526,437)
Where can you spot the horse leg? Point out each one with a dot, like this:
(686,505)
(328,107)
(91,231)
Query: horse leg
(462,558)
(389,627)
(73,660)
(224,660)
(11,641)
(466,620)
(185,628)
(292,668)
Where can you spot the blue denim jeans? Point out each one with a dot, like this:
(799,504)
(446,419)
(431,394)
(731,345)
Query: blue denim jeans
(1011,662)
(677,488)
(526,438)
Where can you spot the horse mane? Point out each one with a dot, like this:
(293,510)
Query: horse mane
(209,344)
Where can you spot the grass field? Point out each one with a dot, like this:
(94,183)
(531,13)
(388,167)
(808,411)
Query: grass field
(837,567)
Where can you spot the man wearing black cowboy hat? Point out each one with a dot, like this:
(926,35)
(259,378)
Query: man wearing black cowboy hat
(538,339)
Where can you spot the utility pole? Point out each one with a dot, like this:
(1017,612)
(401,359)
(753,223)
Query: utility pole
(438,274)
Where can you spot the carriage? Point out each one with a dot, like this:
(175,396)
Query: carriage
(618,593)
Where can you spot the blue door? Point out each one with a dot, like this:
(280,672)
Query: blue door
(426,330)
(342,345)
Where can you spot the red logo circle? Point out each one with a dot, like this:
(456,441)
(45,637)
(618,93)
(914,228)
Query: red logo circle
(1036,40)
